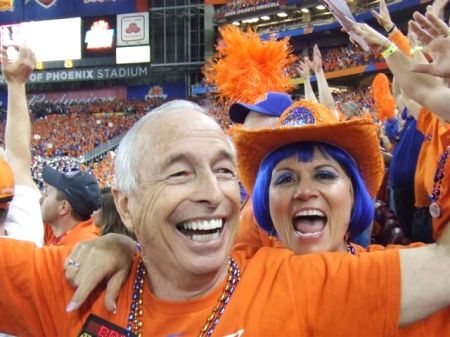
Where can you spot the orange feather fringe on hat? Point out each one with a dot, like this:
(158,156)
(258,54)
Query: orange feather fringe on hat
(245,68)
(384,101)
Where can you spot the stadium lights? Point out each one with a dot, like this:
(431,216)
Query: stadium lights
(265,18)
(320,7)
(68,64)
(236,23)
(305,10)
(282,14)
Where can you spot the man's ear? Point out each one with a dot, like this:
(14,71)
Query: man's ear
(64,207)
(123,207)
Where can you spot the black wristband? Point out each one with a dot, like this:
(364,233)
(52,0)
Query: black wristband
(390,30)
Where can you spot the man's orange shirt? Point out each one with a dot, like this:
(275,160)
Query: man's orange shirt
(85,230)
(279,294)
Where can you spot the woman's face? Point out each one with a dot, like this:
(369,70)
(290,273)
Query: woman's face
(311,203)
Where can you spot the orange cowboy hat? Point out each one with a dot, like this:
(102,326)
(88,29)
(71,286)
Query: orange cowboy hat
(308,121)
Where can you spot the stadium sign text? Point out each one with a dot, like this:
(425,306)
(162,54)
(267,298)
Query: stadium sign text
(89,74)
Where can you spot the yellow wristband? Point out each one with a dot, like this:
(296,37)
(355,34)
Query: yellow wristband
(414,50)
(389,51)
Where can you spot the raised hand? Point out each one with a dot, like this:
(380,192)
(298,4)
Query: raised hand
(383,17)
(370,35)
(18,70)
(316,64)
(433,33)
(303,69)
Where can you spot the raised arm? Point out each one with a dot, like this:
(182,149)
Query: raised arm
(18,126)
(325,96)
(304,72)
(429,91)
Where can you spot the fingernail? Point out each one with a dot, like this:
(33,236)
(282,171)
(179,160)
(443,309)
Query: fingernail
(71,306)
(114,311)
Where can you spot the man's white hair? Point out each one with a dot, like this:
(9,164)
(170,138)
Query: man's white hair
(128,157)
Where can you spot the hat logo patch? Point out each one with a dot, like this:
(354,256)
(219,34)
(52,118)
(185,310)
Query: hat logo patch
(298,117)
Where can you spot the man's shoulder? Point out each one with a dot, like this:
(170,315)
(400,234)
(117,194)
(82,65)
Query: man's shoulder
(85,230)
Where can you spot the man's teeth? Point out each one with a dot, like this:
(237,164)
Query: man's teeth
(202,230)
(310,212)
(203,224)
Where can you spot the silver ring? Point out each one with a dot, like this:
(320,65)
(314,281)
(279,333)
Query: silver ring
(71,262)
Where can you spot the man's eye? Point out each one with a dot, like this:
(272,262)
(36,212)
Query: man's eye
(179,174)
(224,170)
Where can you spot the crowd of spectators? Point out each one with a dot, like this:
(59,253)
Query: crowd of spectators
(347,57)
(343,57)
(74,129)
(60,139)
(355,101)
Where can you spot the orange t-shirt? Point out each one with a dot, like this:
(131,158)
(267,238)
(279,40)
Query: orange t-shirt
(436,324)
(279,294)
(85,230)
(430,126)
(251,237)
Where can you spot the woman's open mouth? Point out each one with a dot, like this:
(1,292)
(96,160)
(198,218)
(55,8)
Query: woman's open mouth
(309,224)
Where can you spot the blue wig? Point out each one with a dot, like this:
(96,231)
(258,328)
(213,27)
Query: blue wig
(363,209)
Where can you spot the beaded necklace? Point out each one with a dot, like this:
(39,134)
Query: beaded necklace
(351,249)
(135,321)
(435,210)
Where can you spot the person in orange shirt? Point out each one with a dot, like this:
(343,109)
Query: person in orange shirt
(67,205)
(430,92)
(182,200)
(299,173)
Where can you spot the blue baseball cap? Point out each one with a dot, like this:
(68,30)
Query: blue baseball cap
(273,104)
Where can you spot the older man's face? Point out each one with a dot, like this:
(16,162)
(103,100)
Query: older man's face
(186,210)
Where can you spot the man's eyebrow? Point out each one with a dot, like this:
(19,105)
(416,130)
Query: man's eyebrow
(227,155)
(182,157)
(175,158)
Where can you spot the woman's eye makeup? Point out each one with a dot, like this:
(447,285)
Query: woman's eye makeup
(283,178)
(326,174)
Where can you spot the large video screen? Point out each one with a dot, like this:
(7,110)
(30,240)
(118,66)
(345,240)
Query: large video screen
(99,36)
(51,40)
